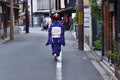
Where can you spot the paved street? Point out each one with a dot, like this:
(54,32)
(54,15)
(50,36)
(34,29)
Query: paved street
(27,58)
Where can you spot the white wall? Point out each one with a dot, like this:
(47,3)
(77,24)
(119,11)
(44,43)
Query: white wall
(34,6)
(88,27)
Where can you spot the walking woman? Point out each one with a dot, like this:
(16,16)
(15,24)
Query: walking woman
(56,36)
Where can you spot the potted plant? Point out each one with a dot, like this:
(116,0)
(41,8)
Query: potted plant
(114,56)
(115,59)
(114,53)
(97,44)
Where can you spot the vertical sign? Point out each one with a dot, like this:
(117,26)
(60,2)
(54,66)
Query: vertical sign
(80,19)
(62,4)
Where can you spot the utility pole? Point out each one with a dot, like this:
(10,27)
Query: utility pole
(57,4)
(11,20)
(32,12)
(49,7)
(80,25)
(26,16)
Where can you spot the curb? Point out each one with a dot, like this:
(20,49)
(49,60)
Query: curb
(4,40)
(110,70)
(8,38)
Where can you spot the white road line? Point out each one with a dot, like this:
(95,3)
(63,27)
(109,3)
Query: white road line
(59,67)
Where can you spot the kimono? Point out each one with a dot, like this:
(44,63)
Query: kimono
(56,37)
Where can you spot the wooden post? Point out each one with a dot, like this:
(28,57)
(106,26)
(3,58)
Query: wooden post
(26,17)
(80,25)
(11,20)
(32,12)
(50,8)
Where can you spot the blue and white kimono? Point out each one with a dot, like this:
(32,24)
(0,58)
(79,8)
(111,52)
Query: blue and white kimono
(56,37)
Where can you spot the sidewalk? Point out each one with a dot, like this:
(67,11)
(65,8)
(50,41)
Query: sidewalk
(4,40)
(18,31)
(103,63)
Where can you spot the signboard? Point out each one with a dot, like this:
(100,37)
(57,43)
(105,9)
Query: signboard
(86,16)
(80,18)
(62,4)
(73,15)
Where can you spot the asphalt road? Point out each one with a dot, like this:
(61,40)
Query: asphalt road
(27,58)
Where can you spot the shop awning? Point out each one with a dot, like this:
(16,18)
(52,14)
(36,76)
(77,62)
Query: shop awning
(66,9)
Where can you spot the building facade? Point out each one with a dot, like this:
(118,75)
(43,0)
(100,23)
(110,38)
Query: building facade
(5,15)
(111,30)
(43,6)
(64,7)
(110,23)
(66,10)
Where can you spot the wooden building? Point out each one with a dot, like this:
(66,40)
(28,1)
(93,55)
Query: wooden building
(5,15)
(64,7)
(65,10)
(110,24)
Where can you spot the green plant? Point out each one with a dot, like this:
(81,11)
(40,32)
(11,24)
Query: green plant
(96,10)
(76,16)
(113,56)
(98,44)
(114,53)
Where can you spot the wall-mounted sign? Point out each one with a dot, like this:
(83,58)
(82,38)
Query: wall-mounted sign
(87,17)
(62,4)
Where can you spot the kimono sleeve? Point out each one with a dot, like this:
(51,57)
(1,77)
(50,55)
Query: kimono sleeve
(49,41)
(62,39)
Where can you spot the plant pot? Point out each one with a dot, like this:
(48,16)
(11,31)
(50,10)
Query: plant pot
(112,61)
